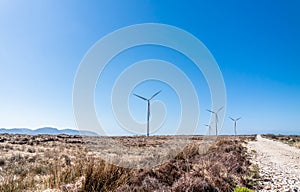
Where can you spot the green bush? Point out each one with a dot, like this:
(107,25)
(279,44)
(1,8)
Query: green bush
(242,189)
(253,151)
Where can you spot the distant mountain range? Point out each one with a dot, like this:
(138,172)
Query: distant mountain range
(46,130)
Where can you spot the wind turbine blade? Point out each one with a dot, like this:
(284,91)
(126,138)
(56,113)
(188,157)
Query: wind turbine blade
(155,95)
(231,118)
(238,118)
(140,97)
(220,109)
(210,111)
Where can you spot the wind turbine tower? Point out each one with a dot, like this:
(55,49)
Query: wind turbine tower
(148,107)
(209,128)
(235,120)
(216,117)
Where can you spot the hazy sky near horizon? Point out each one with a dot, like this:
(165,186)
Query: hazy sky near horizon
(255,43)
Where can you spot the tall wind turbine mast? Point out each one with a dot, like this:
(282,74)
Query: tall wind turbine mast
(216,117)
(235,120)
(209,128)
(148,107)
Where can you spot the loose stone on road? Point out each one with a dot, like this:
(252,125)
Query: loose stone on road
(279,164)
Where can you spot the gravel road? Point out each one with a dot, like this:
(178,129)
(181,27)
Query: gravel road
(279,164)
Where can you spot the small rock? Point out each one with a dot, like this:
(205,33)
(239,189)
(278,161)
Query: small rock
(267,187)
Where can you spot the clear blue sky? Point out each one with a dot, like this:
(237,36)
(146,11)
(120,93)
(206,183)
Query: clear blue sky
(256,44)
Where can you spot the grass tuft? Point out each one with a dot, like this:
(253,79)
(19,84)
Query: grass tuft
(63,163)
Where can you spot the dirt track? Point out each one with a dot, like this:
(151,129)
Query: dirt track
(279,164)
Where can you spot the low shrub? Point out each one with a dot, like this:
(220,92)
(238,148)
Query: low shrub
(242,189)
(222,167)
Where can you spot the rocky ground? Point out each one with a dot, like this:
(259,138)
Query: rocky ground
(279,165)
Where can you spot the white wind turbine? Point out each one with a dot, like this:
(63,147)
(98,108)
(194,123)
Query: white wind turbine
(209,128)
(148,107)
(235,120)
(216,117)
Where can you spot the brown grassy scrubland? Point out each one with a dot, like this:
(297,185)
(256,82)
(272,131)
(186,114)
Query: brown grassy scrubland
(66,163)
(292,140)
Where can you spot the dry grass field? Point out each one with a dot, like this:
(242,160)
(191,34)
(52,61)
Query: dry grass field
(67,163)
(292,140)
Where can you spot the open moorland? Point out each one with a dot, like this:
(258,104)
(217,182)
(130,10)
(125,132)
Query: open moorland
(292,140)
(68,163)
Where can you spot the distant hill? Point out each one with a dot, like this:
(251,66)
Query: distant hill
(46,130)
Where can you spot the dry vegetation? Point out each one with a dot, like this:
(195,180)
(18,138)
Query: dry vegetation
(292,140)
(65,163)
